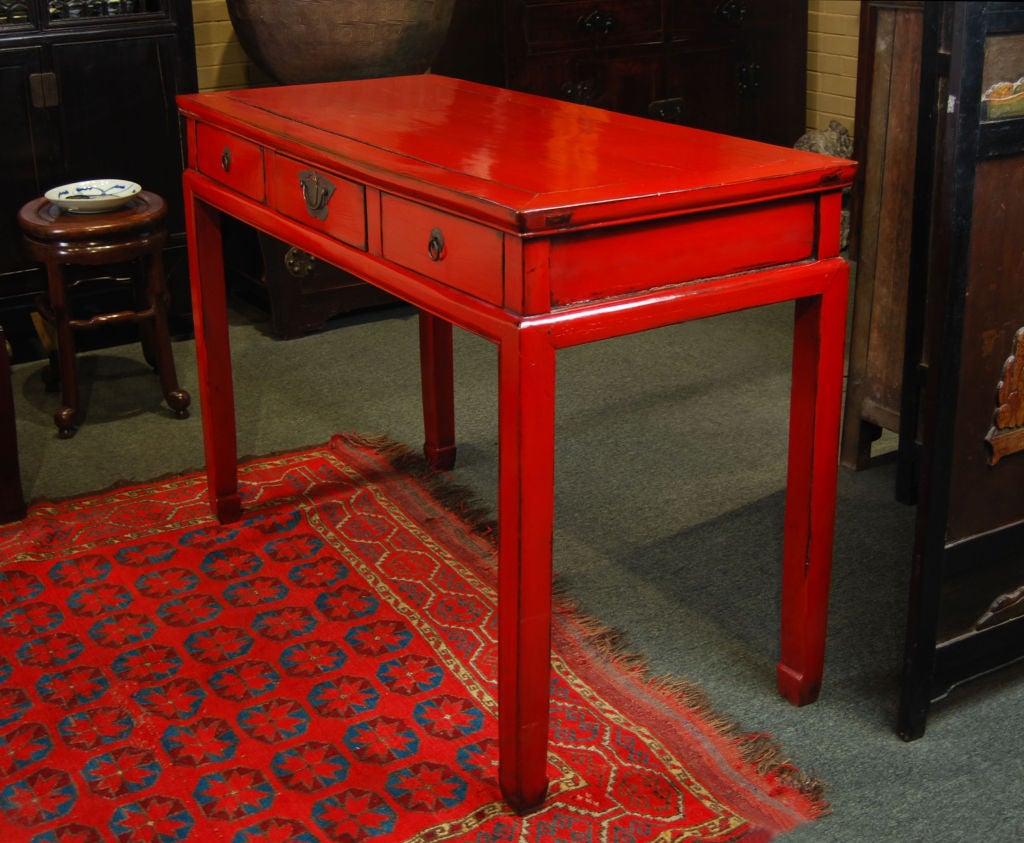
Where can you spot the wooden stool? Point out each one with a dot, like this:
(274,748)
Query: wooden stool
(135,231)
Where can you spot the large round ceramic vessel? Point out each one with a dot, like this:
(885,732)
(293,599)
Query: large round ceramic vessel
(297,41)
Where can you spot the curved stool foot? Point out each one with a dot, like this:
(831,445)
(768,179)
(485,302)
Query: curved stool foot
(179,401)
(65,420)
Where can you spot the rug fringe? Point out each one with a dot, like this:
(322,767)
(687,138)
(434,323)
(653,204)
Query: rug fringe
(456,498)
(762,752)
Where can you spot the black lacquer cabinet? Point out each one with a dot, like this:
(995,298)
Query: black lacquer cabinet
(961,453)
(87,91)
(732,66)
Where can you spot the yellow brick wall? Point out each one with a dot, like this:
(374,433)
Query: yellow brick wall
(220,60)
(832,28)
(831,56)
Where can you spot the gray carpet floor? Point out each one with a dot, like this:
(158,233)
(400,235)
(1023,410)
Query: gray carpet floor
(670,452)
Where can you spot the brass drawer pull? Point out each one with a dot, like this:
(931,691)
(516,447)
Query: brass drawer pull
(316,191)
(435,246)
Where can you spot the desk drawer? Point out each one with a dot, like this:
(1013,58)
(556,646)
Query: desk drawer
(462,254)
(318,199)
(233,162)
(591,265)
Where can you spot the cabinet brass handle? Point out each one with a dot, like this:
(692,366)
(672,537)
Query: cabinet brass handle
(43,90)
(298,263)
(225,159)
(435,246)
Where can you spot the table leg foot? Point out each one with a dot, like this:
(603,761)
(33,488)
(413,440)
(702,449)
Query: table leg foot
(440,458)
(797,687)
(523,800)
(228,508)
(437,378)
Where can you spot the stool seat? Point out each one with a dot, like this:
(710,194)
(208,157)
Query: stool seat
(42,220)
(134,232)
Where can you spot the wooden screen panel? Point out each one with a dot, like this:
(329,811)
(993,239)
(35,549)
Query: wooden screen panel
(989,496)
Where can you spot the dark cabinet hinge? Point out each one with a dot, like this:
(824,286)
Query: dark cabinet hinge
(43,89)
(668,110)
(749,79)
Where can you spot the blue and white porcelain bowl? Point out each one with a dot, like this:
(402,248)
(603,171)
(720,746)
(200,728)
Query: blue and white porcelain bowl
(93,196)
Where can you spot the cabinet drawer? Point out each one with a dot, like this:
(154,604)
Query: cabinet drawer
(560,26)
(230,160)
(321,200)
(462,254)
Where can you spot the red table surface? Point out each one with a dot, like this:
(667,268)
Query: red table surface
(515,159)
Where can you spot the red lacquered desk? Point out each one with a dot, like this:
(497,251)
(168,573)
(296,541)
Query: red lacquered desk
(538,225)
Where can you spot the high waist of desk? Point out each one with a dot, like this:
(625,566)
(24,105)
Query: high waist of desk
(526,268)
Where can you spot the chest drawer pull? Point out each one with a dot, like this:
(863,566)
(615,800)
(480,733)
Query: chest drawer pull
(597,22)
(732,11)
(316,191)
(225,159)
(435,246)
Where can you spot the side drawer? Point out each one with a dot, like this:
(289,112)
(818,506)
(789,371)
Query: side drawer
(591,265)
(459,253)
(319,199)
(233,162)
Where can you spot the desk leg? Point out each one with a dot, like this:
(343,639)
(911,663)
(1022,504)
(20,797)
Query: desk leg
(526,422)
(437,380)
(819,339)
(213,356)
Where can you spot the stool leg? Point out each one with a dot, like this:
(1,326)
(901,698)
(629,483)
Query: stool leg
(177,399)
(143,300)
(44,325)
(66,418)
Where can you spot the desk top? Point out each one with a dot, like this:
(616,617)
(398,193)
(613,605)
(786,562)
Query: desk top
(524,162)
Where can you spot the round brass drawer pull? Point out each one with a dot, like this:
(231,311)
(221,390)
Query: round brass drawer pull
(435,247)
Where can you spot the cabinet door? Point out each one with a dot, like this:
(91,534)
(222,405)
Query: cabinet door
(966,612)
(609,54)
(27,149)
(772,71)
(626,83)
(764,84)
(703,80)
(118,114)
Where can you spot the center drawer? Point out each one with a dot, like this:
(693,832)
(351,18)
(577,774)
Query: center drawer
(319,199)
(459,253)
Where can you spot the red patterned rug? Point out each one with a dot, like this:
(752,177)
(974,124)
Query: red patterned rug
(324,670)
